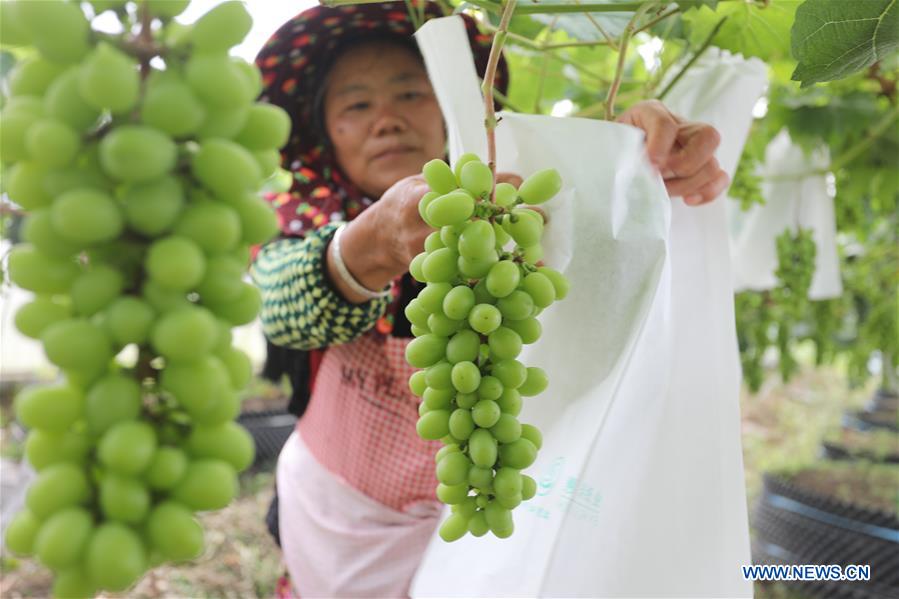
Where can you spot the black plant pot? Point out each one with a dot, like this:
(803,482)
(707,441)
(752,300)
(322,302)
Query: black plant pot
(270,430)
(798,526)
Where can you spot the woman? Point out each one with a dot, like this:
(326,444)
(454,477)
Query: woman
(355,483)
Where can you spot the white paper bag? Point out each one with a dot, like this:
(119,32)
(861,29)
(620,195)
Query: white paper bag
(640,478)
(795,197)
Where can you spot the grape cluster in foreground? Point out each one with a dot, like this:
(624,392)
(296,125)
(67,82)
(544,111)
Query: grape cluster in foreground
(140,184)
(484,291)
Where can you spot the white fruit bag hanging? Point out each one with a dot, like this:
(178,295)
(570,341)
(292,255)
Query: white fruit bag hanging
(640,477)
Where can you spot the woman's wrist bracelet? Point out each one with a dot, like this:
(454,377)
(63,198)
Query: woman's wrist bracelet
(347,277)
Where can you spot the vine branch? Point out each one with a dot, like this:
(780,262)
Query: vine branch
(694,58)
(622,56)
(489,77)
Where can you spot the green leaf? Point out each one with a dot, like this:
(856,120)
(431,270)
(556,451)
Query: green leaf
(686,5)
(834,38)
(751,29)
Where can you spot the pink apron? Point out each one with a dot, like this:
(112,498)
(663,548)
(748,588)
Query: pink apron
(356,485)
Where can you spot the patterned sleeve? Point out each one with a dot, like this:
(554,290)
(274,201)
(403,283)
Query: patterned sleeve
(300,307)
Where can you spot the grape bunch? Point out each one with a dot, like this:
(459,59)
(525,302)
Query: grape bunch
(137,157)
(480,305)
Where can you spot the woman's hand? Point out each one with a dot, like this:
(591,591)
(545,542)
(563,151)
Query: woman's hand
(381,242)
(683,151)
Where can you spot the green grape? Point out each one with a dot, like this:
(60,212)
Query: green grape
(151,208)
(481,294)
(461,424)
(239,366)
(52,409)
(433,425)
(12,31)
(167,9)
(439,375)
(485,318)
(466,508)
(423,204)
(166,468)
(463,347)
(87,216)
(251,75)
(419,331)
(73,583)
(184,334)
(450,209)
(503,278)
(541,186)
(128,320)
(433,242)
(453,528)
(95,289)
(437,399)
(12,143)
(453,469)
(224,166)
(440,177)
(174,533)
(52,143)
(559,282)
(511,373)
(418,383)
(172,107)
(466,377)
(480,477)
(490,388)
(528,487)
(426,351)
(535,383)
(22,530)
(506,429)
(84,174)
(477,268)
(77,345)
(44,448)
(458,303)
(163,299)
(221,28)
(24,186)
(460,164)
(452,495)
(33,76)
(207,484)
(415,267)
(415,314)
(433,295)
(58,29)
(499,519)
(532,254)
(510,402)
(442,326)
(449,235)
(529,329)
(269,161)
(109,80)
(38,231)
(127,447)
(35,316)
(225,408)
(519,454)
(176,263)
(477,240)
(505,194)
(526,230)
(123,498)
(115,557)
(518,305)
(478,526)
(532,434)
(113,399)
(482,448)
(440,266)
(240,310)
(218,82)
(540,288)
(223,123)
(507,482)
(477,178)
(445,450)
(229,442)
(485,413)
(197,386)
(505,344)
(61,541)
(136,154)
(509,501)
(63,101)
(258,222)
(57,486)
(267,127)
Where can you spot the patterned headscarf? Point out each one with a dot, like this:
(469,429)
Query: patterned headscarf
(291,62)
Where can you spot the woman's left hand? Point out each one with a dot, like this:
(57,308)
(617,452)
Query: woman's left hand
(683,151)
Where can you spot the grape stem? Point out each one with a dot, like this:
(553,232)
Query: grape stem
(145,39)
(499,39)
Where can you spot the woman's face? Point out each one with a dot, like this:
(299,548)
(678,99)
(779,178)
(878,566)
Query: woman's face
(381,115)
